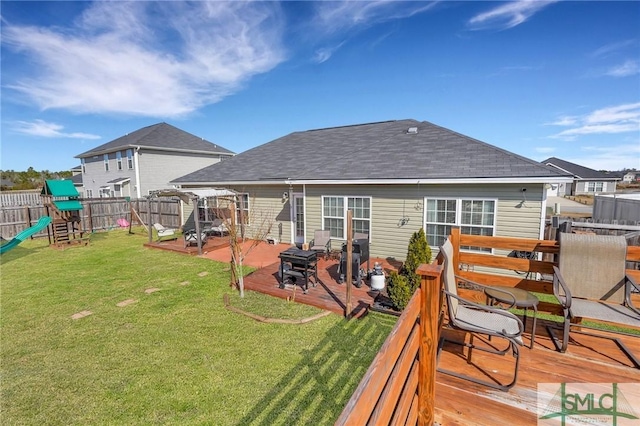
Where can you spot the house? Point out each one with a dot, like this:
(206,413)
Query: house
(76,178)
(585,180)
(145,160)
(631,176)
(395,176)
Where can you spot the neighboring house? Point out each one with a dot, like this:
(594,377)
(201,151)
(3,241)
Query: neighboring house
(76,178)
(145,160)
(396,177)
(630,177)
(585,180)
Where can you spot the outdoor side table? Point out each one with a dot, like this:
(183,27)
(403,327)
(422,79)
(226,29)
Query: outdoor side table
(524,300)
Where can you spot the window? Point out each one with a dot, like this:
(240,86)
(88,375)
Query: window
(595,186)
(334,214)
(243,209)
(474,217)
(130,159)
(106,162)
(84,169)
(89,193)
(119,160)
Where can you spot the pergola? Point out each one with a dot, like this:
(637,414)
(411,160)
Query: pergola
(194,196)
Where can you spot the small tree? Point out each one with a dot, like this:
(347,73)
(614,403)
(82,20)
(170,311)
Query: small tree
(401,286)
(261,224)
(398,290)
(418,253)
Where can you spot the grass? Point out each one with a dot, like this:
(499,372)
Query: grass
(176,356)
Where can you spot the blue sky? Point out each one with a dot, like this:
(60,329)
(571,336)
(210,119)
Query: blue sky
(538,78)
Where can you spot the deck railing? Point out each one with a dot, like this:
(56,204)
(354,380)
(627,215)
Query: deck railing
(399,386)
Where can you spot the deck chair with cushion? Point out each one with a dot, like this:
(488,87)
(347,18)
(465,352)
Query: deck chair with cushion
(191,238)
(321,242)
(590,282)
(218,226)
(164,233)
(474,318)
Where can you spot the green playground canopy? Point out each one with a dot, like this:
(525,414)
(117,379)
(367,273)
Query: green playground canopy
(68,205)
(62,188)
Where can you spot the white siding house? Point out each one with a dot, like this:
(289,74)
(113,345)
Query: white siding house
(145,160)
(396,177)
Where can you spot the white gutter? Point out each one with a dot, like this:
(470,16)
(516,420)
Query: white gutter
(448,181)
(136,164)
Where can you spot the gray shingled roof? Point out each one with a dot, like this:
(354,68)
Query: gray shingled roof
(163,136)
(375,151)
(579,171)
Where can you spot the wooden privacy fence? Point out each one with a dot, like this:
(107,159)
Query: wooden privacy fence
(97,214)
(399,386)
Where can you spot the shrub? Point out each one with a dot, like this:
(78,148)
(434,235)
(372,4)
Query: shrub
(418,253)
(398,290)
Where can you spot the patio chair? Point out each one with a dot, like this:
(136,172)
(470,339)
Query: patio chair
(217,226)
(321,242)
(474,318)
(163,232)
(191,238)
(590,281)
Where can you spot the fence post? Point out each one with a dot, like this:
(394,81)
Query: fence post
(430,283)
(28,216)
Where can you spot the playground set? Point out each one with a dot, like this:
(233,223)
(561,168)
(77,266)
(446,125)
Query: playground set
(61,202)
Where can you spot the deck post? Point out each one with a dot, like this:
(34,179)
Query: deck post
(349,271)
(430,284)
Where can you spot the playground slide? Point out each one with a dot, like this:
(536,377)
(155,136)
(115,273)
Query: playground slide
(39,226)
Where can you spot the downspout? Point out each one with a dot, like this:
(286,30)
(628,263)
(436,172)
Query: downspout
(136,164)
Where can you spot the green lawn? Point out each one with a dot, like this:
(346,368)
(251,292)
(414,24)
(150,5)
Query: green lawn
(176,356)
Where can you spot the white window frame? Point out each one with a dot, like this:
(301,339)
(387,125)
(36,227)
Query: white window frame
(105,157)
(130,159)
(119,160)
(345,207)
(89,193)
(592,186)
(458,217)
(84,168)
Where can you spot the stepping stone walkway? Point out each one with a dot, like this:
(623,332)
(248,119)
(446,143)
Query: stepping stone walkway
(184,283)
(126,302)
(151,290)
(203,274)
(81,315)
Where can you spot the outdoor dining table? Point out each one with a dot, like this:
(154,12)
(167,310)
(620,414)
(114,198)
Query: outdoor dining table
(296,263)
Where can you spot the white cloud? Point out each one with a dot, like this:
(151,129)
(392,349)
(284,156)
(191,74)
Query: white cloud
(544,149)
(323,54)
(611,48)
(608,158)
(625,69)
(508,15)
(341,18)
(338,16)
(48,130)
(160,59)
(564,121)
(611,120)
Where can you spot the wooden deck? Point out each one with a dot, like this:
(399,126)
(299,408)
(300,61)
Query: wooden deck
(177,245)
(588,360)
(458,402)
(328,294)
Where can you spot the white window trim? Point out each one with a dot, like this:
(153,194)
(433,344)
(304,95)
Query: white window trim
(105,158)
(344,213)
(458,223)
(595,186)
(119,160)
(129,159)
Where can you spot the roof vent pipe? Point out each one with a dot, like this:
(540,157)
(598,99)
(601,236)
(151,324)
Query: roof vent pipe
(412,131)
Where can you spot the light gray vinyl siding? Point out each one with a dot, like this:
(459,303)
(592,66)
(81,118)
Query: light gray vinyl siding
(398,210)
(158,168)
(96,176)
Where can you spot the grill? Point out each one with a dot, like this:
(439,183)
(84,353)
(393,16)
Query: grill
(360,246)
